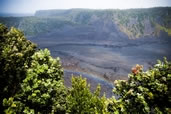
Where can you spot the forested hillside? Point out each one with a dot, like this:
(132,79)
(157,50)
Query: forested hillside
(135,23)
(32,82)
(35,25)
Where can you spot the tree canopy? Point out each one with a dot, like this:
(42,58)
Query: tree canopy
(15,57)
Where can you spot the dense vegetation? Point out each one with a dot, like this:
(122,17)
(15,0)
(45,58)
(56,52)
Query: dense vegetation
(134,23)
(32,82)
(35,25)
(15,57)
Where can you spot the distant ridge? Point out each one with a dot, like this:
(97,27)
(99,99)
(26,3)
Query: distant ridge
(16,14)
(56,12)
(136,23)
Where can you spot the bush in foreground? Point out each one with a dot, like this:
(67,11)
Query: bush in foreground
(42,91)
(145,92)
(80,100)
(15,57)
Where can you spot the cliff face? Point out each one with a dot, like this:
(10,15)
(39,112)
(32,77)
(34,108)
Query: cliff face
(135,23)
(145,22)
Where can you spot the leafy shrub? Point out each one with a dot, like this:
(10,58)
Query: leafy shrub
(15,57)
(81,101)
(42,91)
(145,92)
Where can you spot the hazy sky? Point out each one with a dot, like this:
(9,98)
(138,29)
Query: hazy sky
(30,6)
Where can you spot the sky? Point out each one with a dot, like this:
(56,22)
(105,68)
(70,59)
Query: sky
(30,6)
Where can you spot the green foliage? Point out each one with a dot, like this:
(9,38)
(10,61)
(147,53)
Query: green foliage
(15,56)
(159,27)
(42,91)
(11,21)
(134,22)
(80,100)
(3,31)
(145,92)
(35,25)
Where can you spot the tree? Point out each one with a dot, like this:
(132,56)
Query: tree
(42,91)
(15,57)
(144,92)
(80,100)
